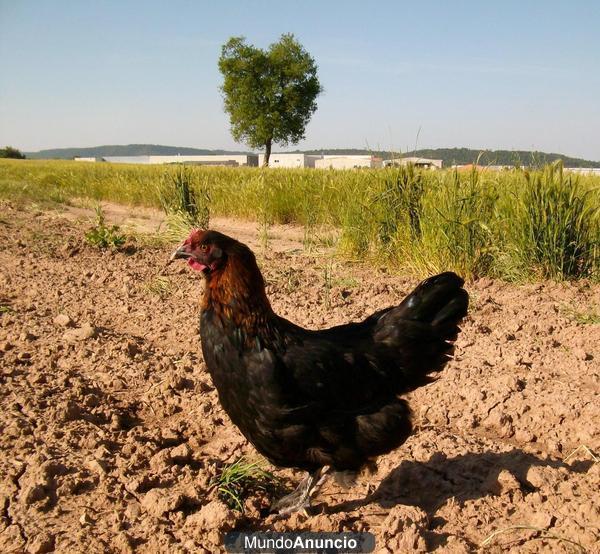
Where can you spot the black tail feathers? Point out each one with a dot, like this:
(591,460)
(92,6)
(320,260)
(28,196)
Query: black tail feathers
(422,329)
(440,301)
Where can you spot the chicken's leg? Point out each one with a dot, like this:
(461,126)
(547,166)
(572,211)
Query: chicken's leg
(300,498)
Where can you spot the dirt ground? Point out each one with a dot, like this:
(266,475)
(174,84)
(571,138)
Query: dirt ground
(111,430)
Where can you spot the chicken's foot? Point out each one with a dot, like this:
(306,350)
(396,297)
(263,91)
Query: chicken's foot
(300,498)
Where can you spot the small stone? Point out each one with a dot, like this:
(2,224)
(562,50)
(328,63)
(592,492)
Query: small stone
(27,337)
(169,436)
(502,483)
(158,502)
(38,379)
(32,494)
(160,460)
(133,510)
(52,468)
(70,411)
(581,354)
(70,250)
(41,544)
(524,436)
(85,519)
(502,422)
(116,422)
(123,543)
(181,453)
(132,349)
(83,333)
(5,346)
(101,452)
(543,520)
(97,466)
(214,515)
(63,320)
(205,386)
(457,545)
(565,488)
(177,382)
(554,445)
(535,498)
(404,529)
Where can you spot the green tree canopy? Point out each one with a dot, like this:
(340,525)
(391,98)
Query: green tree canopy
(270,95)
(10,152)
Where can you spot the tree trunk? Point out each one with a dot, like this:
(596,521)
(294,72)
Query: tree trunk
(267,153)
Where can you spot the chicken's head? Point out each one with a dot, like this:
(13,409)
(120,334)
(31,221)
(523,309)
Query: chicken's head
(204,251)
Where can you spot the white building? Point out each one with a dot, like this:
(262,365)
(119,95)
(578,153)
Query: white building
(84,159)
(348,162)
(416,161)
(289,159)
(127,159)
(584,170)
(216,159)
(211,159)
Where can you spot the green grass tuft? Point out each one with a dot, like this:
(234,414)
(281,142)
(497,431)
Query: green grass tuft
(185,201)
(590,316)
(102,235)
(237,481)
(158,286)
(558,229)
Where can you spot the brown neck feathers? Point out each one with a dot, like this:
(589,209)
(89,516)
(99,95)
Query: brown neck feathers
(236,292)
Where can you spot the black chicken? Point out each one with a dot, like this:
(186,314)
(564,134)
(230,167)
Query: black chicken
(310,399)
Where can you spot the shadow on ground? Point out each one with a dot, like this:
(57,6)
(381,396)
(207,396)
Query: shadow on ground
(428,485)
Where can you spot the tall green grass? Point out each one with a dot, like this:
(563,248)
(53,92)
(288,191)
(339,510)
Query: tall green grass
(185,203)
(513,224)
(559,225)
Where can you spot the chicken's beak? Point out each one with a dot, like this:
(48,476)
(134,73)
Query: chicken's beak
(180,253)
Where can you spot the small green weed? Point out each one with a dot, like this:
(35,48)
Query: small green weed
(585,317)
(5,309)
(346,282)
(159,286)
(290,279)
(237,481)
(103,236)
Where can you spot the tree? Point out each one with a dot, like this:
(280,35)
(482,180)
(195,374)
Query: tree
(10,152)
(270,95)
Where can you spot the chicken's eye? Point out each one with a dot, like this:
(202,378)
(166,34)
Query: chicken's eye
(203,248)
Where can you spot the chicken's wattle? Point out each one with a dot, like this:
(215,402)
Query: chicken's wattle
(195,265)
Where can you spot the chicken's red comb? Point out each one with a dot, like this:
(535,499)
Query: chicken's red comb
(195,233)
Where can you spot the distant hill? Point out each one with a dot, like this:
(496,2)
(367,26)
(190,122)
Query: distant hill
(461,156)
(450,156)
(124,150)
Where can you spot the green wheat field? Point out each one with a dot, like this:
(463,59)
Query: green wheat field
(514,224)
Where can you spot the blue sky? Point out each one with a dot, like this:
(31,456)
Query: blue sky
(512,74)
